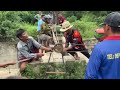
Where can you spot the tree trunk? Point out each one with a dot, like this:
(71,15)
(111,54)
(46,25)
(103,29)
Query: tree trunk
(55,17)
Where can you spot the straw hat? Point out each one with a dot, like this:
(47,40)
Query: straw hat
(65,26)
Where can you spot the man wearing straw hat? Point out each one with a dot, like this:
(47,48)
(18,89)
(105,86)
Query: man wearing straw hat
(73,37)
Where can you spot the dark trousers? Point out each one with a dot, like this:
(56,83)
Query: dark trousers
(84,52)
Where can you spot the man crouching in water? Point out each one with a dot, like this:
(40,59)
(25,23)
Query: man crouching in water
(28,48)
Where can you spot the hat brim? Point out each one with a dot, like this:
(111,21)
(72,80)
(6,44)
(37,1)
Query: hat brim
(63,30)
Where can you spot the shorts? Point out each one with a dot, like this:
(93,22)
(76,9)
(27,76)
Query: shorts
(44,37)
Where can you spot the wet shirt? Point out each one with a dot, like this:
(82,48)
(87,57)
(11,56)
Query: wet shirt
(25,50)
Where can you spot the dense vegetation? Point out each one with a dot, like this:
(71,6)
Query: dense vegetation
(85,21)
(74,70)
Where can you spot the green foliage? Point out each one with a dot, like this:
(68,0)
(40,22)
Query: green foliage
(5,24)
(78,14)
(12,16)
(31,29)
(72,19)
(12,20)
(88,17)
(29,72)
(85,21)
(74,70)
(86,28)
(27,16)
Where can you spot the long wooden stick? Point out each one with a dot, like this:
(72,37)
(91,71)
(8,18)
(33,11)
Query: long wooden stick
(13,63)
(54,37)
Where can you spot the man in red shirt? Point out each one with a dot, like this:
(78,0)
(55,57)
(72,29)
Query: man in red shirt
(73,37)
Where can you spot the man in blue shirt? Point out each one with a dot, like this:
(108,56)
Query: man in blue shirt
(104,62)
(40,21)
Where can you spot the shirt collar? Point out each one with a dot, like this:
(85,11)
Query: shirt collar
(23,43)
(112,38)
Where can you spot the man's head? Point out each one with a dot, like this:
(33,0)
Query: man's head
(22,34)
(42,17)
(66,27)
(47,19)
(112,23)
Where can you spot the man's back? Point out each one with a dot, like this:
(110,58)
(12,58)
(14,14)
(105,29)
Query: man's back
(105,61)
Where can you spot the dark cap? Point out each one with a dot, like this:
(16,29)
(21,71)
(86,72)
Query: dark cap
(113,19)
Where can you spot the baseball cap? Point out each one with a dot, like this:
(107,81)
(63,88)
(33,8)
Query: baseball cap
(113,19)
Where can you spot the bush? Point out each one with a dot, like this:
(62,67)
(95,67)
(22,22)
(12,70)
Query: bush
(31,29)
(13,16)
(86,28)
(27,16)
(88,17)
(11,20)
(72,19)
(8,28)
(74,70)
(8,23)
(29,72)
